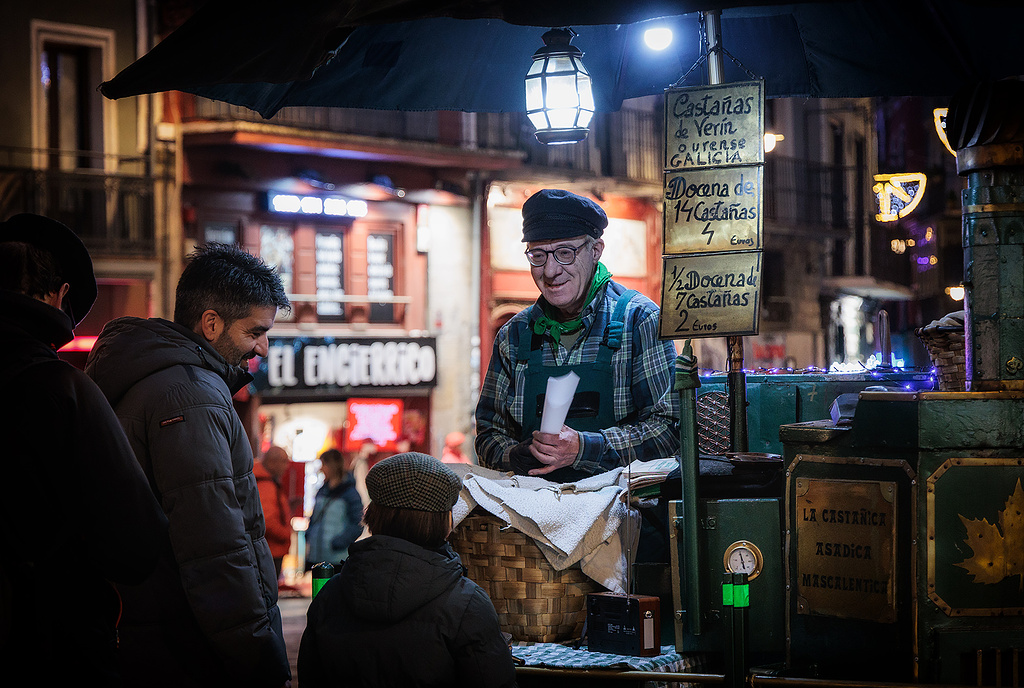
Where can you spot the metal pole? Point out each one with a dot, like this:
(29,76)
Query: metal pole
(729,614)
(737,380)
(740,606)
(713,27)
(687,382)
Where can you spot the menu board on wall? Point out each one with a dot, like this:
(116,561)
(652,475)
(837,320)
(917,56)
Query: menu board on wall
(380,276)
(330,277)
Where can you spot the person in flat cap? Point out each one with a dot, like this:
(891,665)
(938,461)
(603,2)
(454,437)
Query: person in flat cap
(61,436)
(401,611)
(583,322)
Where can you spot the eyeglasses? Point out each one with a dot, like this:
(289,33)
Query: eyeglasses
(564,255)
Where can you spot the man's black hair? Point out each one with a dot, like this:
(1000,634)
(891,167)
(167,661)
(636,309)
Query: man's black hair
(28,269)
(226,279)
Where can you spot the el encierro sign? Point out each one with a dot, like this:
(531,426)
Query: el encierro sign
(348,364)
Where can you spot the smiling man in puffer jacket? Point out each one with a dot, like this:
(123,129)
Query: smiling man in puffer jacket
(209,615)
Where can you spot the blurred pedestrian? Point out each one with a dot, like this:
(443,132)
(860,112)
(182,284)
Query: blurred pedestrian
(401,612)
(209,615)
(361,464)
(77,511)
(337,518)
(453,448)
(269,471)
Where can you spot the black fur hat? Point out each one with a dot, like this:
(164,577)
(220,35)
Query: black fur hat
(69,251)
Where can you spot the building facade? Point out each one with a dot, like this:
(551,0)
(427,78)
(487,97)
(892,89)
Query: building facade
(397,233)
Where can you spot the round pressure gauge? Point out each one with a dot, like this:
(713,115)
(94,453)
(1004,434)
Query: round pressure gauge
(743,557)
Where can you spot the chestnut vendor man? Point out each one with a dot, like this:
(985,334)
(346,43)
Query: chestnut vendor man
(624,408)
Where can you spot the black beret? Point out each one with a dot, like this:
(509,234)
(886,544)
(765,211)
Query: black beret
(70,253)
(413,481)
(558,214)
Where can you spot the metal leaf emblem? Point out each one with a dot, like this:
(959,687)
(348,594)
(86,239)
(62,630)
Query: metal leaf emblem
(998,549)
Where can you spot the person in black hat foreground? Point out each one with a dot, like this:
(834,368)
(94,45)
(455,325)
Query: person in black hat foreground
(624,408)
(77,512)
(401,612)
(208,616)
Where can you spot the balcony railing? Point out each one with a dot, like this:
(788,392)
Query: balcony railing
(810,195)
(112,212)
(622,144)
(628,144)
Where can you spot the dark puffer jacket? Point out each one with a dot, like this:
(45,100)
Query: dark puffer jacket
(209,614)
(404,616)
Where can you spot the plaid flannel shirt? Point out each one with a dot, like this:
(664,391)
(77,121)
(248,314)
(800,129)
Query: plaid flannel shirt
(643,373)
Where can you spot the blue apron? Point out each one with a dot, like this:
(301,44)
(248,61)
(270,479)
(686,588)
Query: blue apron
(592,406)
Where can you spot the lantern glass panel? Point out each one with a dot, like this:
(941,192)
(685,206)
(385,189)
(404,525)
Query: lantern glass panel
(560,63)
(539,120)
(586,92)
(562,92)
(584,119)
(563,118)
(534,94)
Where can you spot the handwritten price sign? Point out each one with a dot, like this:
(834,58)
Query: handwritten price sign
(715,209)
(710,295)
(714,126)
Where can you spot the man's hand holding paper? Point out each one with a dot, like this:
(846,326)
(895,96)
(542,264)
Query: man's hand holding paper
(556,445)
(555,450)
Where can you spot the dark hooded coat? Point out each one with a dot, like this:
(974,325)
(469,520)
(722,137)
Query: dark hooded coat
(404,616)
(77,511)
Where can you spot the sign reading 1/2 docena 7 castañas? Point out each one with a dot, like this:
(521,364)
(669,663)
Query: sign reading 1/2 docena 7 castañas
(713,214)
(710,294)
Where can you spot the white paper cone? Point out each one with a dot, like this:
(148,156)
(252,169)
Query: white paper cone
(557,400)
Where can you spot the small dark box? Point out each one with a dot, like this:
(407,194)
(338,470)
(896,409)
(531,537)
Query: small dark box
(624,624)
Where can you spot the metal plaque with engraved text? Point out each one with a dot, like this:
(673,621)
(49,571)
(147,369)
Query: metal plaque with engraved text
(846,548)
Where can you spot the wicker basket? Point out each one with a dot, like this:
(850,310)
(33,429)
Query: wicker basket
(535,603)
(945,347)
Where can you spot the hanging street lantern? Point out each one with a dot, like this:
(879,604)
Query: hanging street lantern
(559,99)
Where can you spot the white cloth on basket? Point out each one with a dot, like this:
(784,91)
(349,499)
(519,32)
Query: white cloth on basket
(586,521)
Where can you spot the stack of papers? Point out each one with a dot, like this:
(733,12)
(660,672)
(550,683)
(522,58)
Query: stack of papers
(646,473)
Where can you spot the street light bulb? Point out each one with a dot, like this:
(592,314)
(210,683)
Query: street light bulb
(658,38)
(770,140)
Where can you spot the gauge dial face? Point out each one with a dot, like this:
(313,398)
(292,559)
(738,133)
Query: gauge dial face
(743,557)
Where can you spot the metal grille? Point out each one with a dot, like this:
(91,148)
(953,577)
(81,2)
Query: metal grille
(991,667)
(713,423)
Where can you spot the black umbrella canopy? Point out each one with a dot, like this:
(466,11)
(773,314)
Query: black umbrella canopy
(472,56)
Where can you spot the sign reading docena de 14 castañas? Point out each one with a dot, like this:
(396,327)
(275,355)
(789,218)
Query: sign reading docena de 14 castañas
(717,209)
(713,219)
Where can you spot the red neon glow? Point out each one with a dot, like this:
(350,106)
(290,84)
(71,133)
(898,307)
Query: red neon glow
(377,420)
(83,343)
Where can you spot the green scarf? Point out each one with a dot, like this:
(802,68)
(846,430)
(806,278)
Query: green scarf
(546,323)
